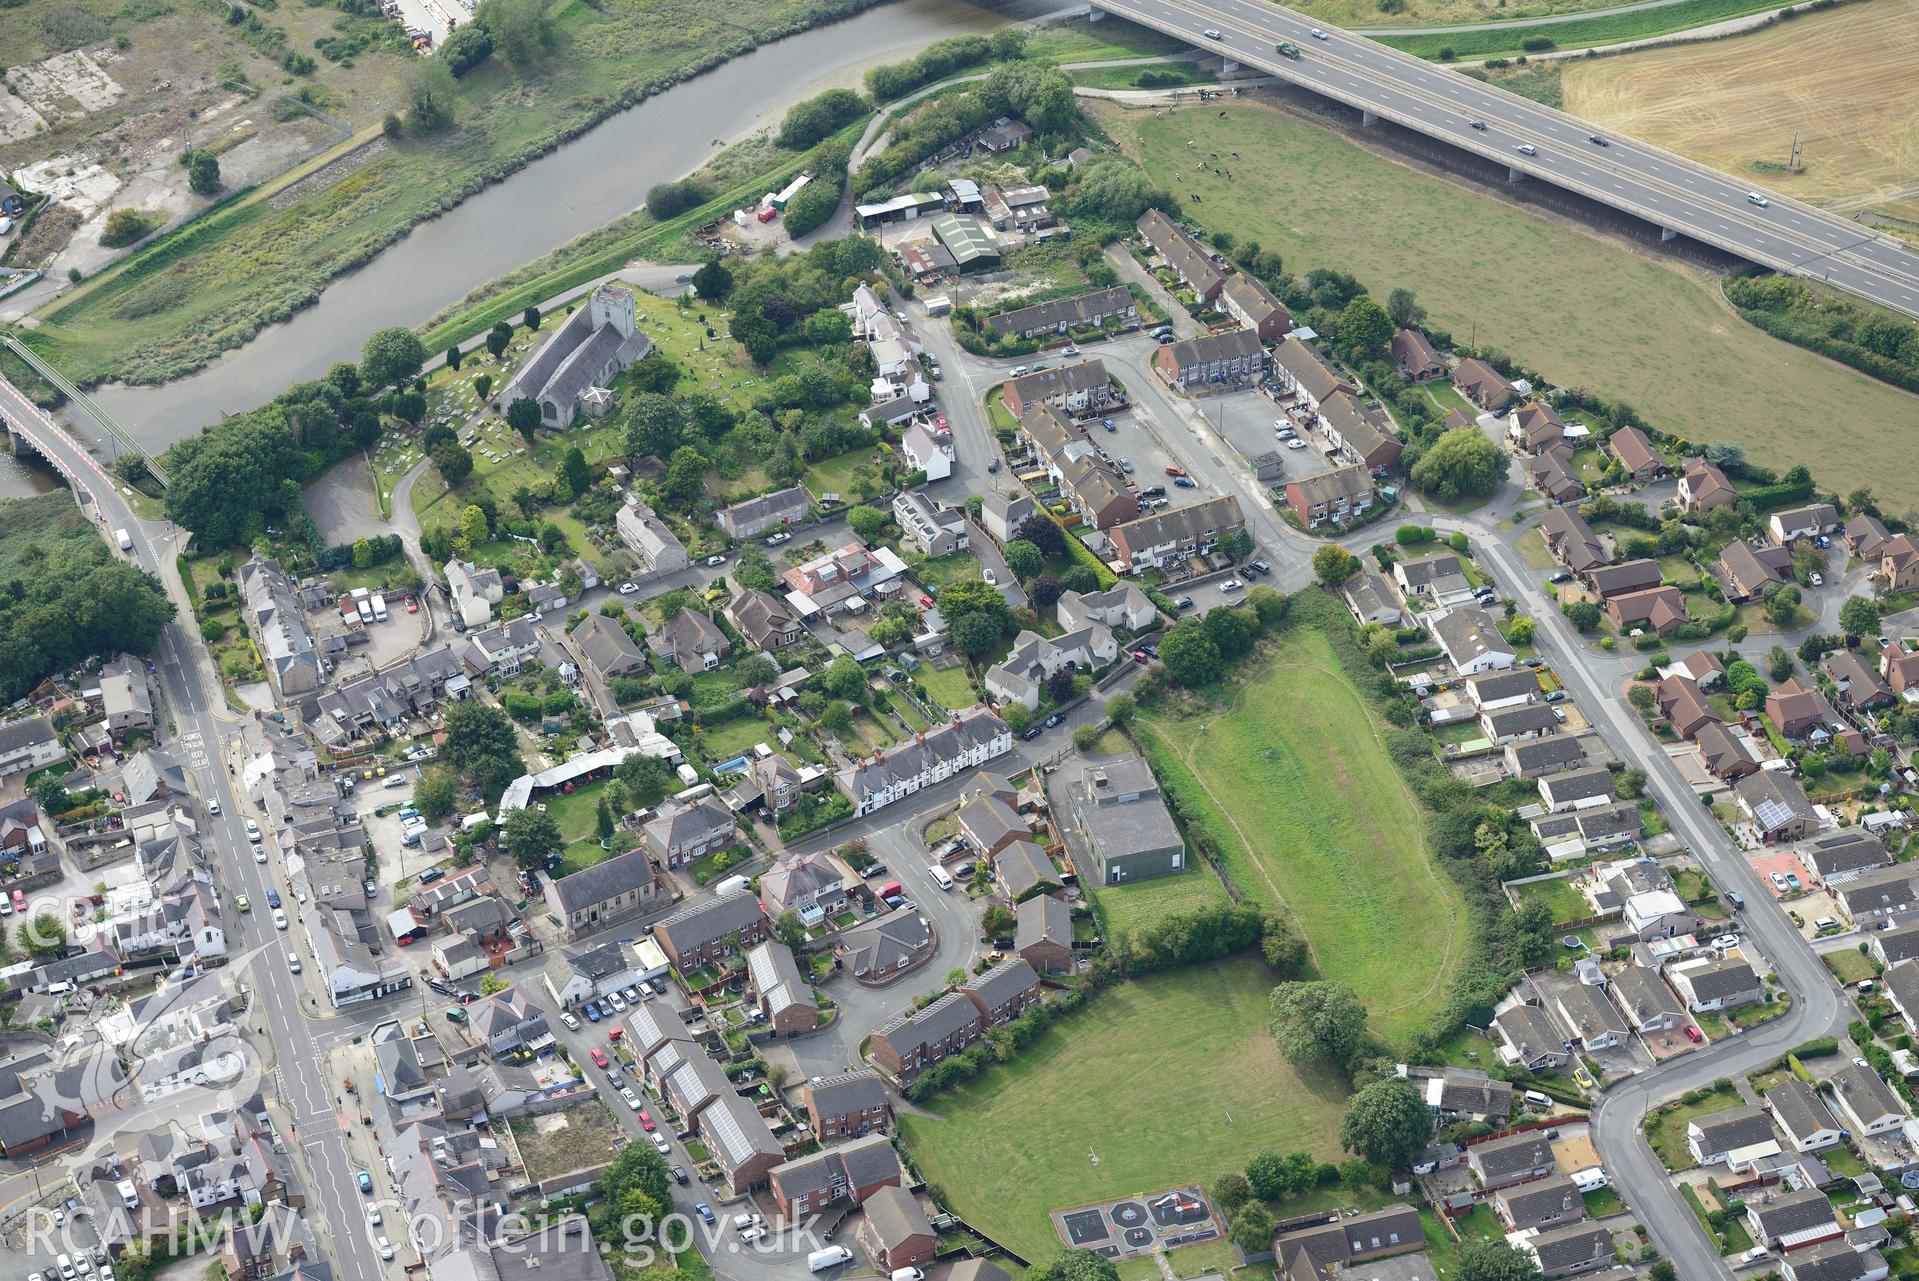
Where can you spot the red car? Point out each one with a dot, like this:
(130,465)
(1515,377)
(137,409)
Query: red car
(646,1122)
(1175,470)
(926,602)
(1694,1035)
(412,605)
(599,1057)
(1139,656)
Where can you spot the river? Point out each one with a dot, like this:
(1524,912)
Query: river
(589,182)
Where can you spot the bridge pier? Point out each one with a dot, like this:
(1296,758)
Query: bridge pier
(1228,65)
(1667,233)
(1514,175)
(1367,119)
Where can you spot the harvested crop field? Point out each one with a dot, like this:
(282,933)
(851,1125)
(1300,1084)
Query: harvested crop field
(1840,80)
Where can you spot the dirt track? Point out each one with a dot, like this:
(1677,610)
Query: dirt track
(1841,80)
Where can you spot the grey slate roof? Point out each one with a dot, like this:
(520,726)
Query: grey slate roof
(1901,944)
(1833,1261)
(1043,919)
(1004,982)
(1568,1247)
(705,922)
(846,1093)
(1737,1128)
(602,881)
(1729,977)
(1500,1157)
(932,1025)
(1793,1212)
(1798,1109)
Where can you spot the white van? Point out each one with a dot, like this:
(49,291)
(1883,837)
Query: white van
(1535,1099)
(941,878)
(831,1257)
(1757,199)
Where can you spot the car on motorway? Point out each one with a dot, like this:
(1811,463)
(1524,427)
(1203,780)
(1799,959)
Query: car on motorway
(365,1181)
(1479,125)
(1526,149)
(1597,141)
(244,903)
(279,920)
(572,1023)
(598,1056)
(1213,33)
(1287,49)
(1757,199)
(1317,34)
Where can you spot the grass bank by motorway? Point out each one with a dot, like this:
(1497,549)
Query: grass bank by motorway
(1582,33)
(1582,308)
(1294,784)
(211,285)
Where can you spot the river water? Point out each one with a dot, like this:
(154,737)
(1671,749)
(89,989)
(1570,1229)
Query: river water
(589,182)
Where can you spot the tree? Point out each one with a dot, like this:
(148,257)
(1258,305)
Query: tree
(124,226)
(1642,699)
(1364,326)
(1387,1123)
(1520,630)
(44,935)
(1583,615)
(50,794)
(1662,1271)
(866,521)
(1024,559)
(844,679)
(1189,653)
(646,780)
(1075,1265)
(474,525)
(431,94)
(1044,533)
(820,117)
(391,356)
(1231,1190)
(1120,709)
(498,339)
(523,416)
(974,635)
(1405,309)
(1463,462)
(477,733)
(531,318)
(1779,663)
(685,475)
(1251,1229)
(1232,631)
(435,794)
(579,477)
(454,461)
(713,281)
(203,172)
(529,835)
(1782,606)
(1319,1021)
(1333,564)
(519,29)
(466,48)
(1859,616)
(836,717)
(966,597)
(1483,1260)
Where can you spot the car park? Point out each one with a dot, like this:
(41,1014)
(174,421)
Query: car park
(1184,482)
(617,1001)
(633,995)
(1260,567)
(658,986)
(1295,443)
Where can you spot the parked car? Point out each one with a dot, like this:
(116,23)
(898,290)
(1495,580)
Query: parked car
(273,898)
(1174,469)
(1792,880)
(633,1102)
(279,920)
(1724,941)
(1694,1035)
(1184,482)
(659,1140)
(716,560)
(1231,585)
(365,1181)
(1261,568)
(1779,882)
(591,1011)
(679,1176)
(778,538)
(705,1212)
(646,1121)
(572,1024)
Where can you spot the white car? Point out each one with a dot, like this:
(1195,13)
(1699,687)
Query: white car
(259,853)
(1231,585)
(627,589)
(572,1024)
(213,808)
(1817,580)
(1213,34)
(659,1141)
(716,560)
(632,1099)
(613,999)
(253,831)
(1320,35)
(279,919)
(992,579)
(373,1215)
(1294,442)
(779,538)
(1726,941)
(385,1248)
(744,1223)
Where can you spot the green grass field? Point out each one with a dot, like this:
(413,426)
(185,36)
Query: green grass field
(1295,781)
(1565,902)
(1583,33)
(1137,904)
(1168,1080)
(1532,286)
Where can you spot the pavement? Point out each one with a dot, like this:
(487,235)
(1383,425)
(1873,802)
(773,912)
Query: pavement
(1664,189)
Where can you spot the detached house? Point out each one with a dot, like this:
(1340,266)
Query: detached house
(763,620)
(1528,1038)
(1736,1137)
(1472,641)
(1802,1115)
(1703,487)
(691,641)
(1745,571)
(682,831)
(1863,1100)
(598,897)
(1414,354)
(1572,541)
(1517,1158)
(1480,383)
(1717,985)
(1635,453)
(1803,522)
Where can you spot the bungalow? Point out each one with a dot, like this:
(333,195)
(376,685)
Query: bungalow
(1740,1134)
(1836,1261)
(1529,720)
(1439,579)
(1873,897)
(1472,641)
(1301,370)
(1902,987)
(1543,757)
(1551,475)
(1372,600)
(1657,610)
(1571,541)
(1802,522)
(597,897)
(1172,537)
(1608,581)
(1834,858)
(1571,1250)
(1455,1092)
(1802,1115)
(1543,1204)
(1777,805)
(1684,707)
(1745,571)
(1188,259)
(1595,1024)
(1856,683)
(1635,453)
(1528,1038)
(1492,691)
(752,517)
(1645,999)
(1576,789)
(1480,383)
(1081,387)
(1864,1100)
(1414,354)
(1361,434)
(1889,947)
(1253,305)
(1703,487)
(604,646)
(1340,495)
(1234,356)
(1709,984)
(1342,1242)
(1724,754)
(1517,1158)
(763,619)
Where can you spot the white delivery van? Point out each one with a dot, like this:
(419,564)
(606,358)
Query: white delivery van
(940,877)
(831,1257)
(379,609)
(730,886)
